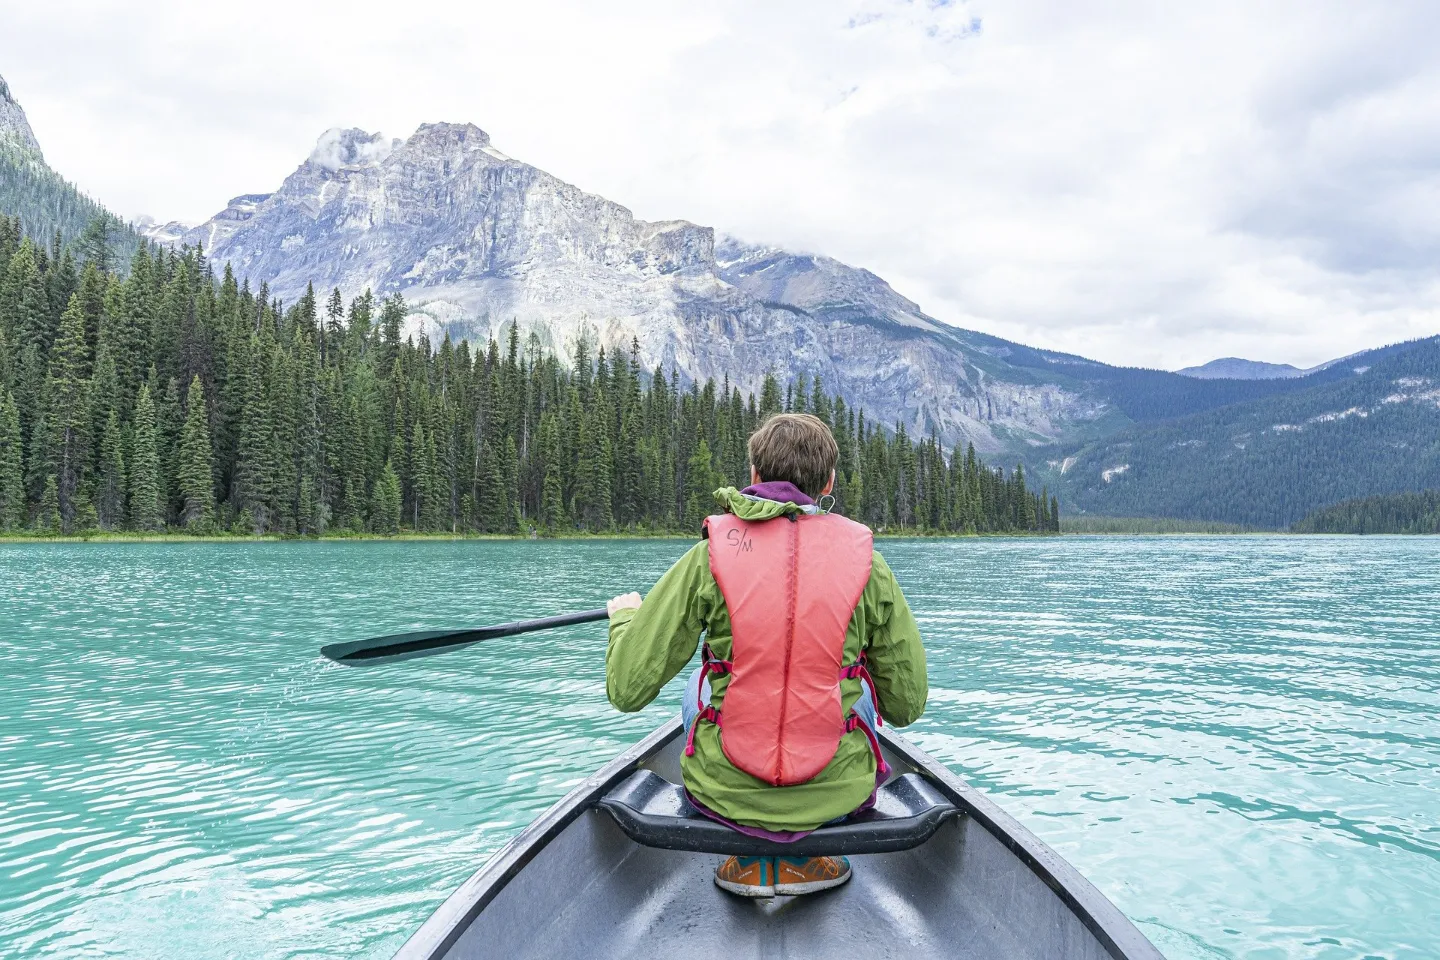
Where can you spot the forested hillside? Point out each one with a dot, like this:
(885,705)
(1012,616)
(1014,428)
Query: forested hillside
(1150,396)
(1270,462)
(173,398)
(48,205)
(1391,513)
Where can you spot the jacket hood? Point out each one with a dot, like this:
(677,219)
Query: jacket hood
(754,508)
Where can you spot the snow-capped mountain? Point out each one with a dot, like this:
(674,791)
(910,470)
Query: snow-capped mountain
(475,239)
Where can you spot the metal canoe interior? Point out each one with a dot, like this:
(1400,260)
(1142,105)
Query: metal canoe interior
(593,893)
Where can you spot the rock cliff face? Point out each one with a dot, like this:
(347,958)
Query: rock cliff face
(13,125)
(475,239)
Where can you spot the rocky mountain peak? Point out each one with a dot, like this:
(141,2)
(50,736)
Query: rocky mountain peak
(13,125)
(449,133)
(476,240)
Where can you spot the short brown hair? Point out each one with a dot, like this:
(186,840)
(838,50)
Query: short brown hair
(797,447)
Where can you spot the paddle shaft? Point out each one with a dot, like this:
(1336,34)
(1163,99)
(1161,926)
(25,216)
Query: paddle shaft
(406,646)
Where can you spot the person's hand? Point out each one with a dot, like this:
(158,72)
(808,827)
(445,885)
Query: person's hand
(626,601)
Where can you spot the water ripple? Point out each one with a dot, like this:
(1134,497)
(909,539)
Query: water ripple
(1235,739)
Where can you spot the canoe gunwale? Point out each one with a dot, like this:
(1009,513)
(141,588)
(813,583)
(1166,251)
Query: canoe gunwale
(1111,927)
(449,922)
(438,933)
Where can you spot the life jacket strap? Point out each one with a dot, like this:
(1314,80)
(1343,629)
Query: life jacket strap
(860,671)
(708,713)
(709,663)
(882,769)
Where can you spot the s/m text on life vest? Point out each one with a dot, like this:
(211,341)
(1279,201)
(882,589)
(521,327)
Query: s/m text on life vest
(740,540)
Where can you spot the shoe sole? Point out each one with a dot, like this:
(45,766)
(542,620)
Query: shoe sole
(754,890)
(813,886)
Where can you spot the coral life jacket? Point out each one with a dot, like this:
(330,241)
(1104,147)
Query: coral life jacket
(791,585)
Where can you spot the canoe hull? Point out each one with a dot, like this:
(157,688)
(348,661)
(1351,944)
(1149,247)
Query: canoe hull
(574,885)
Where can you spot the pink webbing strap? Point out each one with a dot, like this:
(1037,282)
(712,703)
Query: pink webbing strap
(882,768)
(709,713)
(858,669)
(709,664)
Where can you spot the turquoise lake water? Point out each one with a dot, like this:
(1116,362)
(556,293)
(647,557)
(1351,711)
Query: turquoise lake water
(1236,740)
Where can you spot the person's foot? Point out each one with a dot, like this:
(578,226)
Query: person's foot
(799,875)
(747,876)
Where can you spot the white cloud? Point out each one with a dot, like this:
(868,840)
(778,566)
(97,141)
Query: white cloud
(338,148)
(1143,183)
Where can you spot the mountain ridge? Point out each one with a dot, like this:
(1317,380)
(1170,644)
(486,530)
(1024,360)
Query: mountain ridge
(14,125)
(1237,368)
(475,239)
(46,202)
(1270,461)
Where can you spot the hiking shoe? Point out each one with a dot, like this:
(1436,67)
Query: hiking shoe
(747,876)
(799,875)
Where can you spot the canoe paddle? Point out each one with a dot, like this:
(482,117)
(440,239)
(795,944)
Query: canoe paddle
(406,646)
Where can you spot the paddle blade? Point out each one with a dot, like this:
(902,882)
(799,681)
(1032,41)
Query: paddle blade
(400,646)
(424,643)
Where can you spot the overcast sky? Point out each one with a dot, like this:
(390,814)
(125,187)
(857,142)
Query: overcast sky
(1146,183)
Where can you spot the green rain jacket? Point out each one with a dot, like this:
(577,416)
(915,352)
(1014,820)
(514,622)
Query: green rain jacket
(650,646)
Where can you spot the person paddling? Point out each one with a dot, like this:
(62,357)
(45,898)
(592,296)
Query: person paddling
(809,643)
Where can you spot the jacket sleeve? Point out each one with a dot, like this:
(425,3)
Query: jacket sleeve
(895,654)
(649,646)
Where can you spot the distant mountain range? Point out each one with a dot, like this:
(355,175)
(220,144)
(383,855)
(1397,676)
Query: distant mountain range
(475,240)
(1271,461)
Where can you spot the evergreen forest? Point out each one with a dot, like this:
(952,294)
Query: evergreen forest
(154,395)
(1415,512)
(1269,463)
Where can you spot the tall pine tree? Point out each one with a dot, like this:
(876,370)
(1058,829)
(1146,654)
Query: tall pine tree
(12,476)
(385,503)
(67,418)
(196,467)
(145,506)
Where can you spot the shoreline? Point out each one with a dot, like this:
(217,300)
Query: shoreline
(443,537)
(154,538)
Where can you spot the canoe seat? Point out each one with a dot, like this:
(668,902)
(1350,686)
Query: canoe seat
(654,812)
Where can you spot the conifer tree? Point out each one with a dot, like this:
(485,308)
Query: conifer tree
(145,508)
(422,478)
(510,518)
(68,415)
(47,517)
(26,316)
(593,509)
(769,396)
(700,484)
(196,469)
(256,467)
(109,497)
(6,366)
(385,502)
(552,499)
(12,476)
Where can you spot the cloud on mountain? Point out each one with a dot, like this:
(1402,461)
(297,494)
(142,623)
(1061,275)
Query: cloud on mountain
(1138,182)
(338,148)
